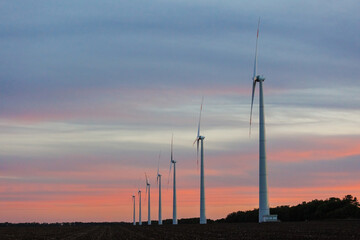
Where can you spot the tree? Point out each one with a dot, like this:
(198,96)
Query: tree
(332,208)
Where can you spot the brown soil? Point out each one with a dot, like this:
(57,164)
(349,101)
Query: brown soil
(286,230)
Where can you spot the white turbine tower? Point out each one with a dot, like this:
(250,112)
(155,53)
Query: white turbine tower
(134,221)
(172,161)
(264,212)
(202,184)
(139,193)
(148,192)
(158,181)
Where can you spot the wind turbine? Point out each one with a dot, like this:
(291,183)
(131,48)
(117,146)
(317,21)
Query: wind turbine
(202,187)
(264,212)
(148,192)
(172,161)
(134,221)
(158,181)
(139,193)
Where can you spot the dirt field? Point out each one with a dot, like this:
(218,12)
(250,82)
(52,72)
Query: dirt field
(289,230)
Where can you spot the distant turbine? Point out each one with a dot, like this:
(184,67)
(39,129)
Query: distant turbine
(264,212)
(148,192)
(134,221)
(139,193)
(202,187)
(158,181)
(172,161)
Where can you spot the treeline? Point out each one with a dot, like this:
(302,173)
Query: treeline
(332,208)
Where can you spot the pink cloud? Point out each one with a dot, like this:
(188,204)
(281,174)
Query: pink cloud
(316,148)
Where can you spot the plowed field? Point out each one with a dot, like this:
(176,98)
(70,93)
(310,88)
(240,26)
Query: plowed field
(285,230)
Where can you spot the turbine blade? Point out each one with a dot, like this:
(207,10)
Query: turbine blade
(255,61)
(146,192)
(252,103)
(147,181)
(169,179)
(198,133)
(157,175)
(172,157)
(169,172)
(158,171)
(158,163)
(197,153)
(254,76)
(172,140)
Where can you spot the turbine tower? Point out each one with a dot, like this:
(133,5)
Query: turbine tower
(148,192)
(172,161)
(202,184)
(134,221)
(158,181)
(264,212)
(139,193)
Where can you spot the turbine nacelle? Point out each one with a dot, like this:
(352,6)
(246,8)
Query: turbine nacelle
(157,178)
(259,78)
(198,138)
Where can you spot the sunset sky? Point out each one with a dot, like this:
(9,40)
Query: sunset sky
(91,92)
